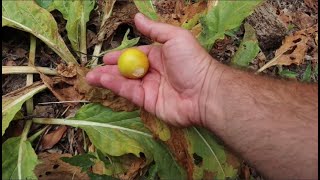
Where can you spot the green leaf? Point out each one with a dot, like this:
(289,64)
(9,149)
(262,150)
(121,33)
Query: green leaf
(12,102)
(126,43)
(225,16)
(85,161)
(120,133)
(15,164)
(288,74)
(147,8)
(77,15)
(307,74)
(44,3)
(248,50)
(213,155)
(28,16)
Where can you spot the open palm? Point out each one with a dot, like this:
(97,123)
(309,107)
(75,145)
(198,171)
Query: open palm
(172,87)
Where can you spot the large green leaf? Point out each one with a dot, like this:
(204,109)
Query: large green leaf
(77,14)
(147,8)
(213,156)
(28,16)
(225,16)
(18,159)
(120,133)
(248,50)
(12,102)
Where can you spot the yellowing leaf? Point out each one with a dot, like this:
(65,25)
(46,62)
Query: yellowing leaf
(28,16)
(248,50)
(120,133)
(147,8)
(224,16)
(12,102)
(18,159)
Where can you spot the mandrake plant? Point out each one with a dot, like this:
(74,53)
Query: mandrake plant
(165,152)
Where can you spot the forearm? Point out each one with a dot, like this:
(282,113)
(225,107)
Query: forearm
(273,124)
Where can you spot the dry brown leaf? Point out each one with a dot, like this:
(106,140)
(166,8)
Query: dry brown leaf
(52,168)
(135,168)
(313,4)
(303,20)
(61,90)
(293,49)
(101,95)
(52,138)
(44,111)
(67,70)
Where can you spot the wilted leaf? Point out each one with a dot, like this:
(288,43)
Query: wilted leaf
(293,49)
(248,50)
(125,43)
(53,168)
(307,74)
(67,93)
(77,15)
(224,16)
(147,8)
(213,156)
(120,133)
(28,16)
(12,102)
(101,95)
(18,159)
(85,161)
(52,138)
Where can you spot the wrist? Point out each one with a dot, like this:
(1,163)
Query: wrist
(209,107)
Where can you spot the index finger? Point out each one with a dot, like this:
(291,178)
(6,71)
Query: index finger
(112,57)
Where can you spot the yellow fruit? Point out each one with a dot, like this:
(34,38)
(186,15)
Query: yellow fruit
(133,63)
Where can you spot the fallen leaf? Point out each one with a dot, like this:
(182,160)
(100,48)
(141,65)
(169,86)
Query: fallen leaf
(313,4)
(303,20)
(43,111)
(20,52)
(53,168)
(52,138)
(293,50)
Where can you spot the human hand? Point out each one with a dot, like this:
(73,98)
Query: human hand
(172,87)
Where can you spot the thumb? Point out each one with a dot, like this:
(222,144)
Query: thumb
(159,32)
